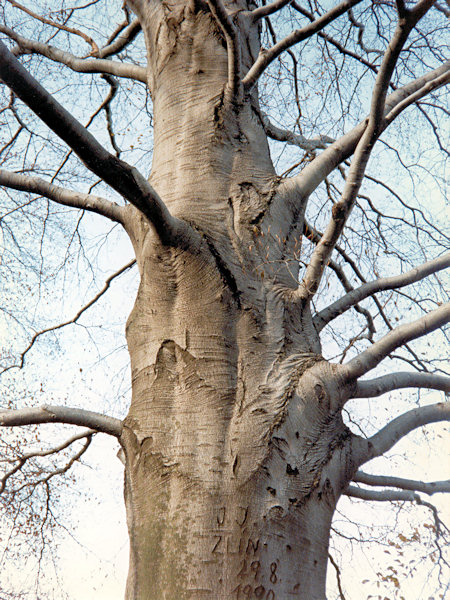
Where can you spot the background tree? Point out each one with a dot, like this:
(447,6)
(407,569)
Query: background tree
(259,225)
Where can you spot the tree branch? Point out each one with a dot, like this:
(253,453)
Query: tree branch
(74,319)
(314,235)
(315,172)
(284,135)
(370,358)
(121,176)
(342,209)
(60,26)
(80,65)
(429,86)
(398,428)
(338,576)
(126,36)
(430,488)
(268,9)
(266,57)
(231,33)
(35,185)
(382,495)
(397,381)
(386,283)
(61,414)
(24,458)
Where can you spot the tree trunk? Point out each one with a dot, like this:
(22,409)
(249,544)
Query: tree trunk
(236,452)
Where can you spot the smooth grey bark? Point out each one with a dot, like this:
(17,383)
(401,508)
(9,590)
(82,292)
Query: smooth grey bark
(236,453)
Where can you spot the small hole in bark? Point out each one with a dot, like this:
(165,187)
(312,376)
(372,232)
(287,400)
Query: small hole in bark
(235,465)
(272,491)
(288,548)
(292,500)
(290,470)
(320,393)
(297,435)
(276,512)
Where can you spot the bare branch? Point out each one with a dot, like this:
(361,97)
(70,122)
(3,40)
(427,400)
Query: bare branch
(341,210)
(121,176)
(126,36)
(370,358)
(398,496)
(268,9)
(61,414)
(397,381)
(82,310)
(398,428)
(341,48)
(231,33)
(314,235)
(361,29)
(284,135)
(80,65)
(338,576)
(382,495)
(60,26)
(386,283)
(432,487)
(315,172)
(23,458)
(35,185)
(429,86)
(266,57)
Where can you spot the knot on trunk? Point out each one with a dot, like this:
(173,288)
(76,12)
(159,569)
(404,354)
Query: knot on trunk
(292,368)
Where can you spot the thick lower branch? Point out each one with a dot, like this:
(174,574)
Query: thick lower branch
(398,428)
(381,495)
(35,185)
(431,487)
(397,381)
(385,283)
(370,358)
(61,414)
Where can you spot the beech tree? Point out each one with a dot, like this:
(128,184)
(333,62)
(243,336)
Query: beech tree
(283,161)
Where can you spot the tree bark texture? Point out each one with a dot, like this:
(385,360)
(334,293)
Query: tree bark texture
(235,449)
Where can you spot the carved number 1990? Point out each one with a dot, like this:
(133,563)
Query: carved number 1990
(248,591)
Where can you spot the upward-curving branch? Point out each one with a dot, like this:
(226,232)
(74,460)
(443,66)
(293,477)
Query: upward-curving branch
(370,358)
(231,33)
(342,209)
(61,414)
(385,283)
(398,428)
(267,57)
